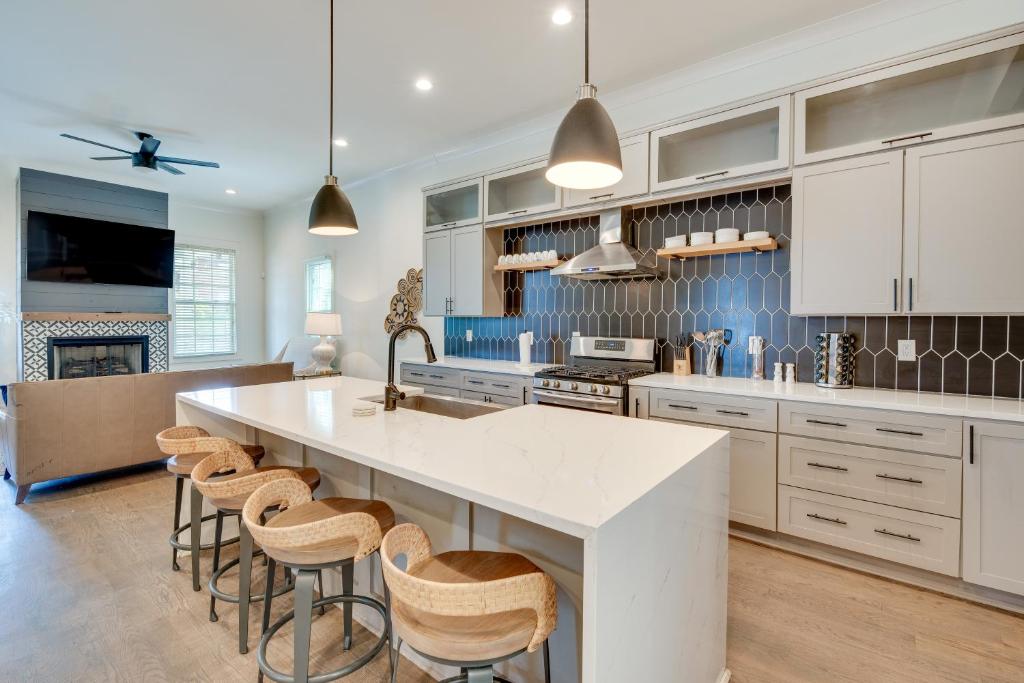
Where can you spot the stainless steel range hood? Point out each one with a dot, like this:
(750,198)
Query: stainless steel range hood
(615,257)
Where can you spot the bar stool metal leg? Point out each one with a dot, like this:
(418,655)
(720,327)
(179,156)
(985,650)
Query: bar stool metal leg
(303,618)
(244,585)
(268,596)
(195,531)
(347,583)
(179,485)
(216,560)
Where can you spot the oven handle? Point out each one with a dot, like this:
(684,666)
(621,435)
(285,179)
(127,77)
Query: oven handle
(572,398)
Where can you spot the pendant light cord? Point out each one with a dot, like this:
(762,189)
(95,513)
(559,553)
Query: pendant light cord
(330,124)
(586,41)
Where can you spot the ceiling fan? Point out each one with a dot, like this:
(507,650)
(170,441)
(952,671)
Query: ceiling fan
(146,158)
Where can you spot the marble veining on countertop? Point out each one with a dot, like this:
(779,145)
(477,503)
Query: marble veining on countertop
(506,367)
(972,407)
(565,469)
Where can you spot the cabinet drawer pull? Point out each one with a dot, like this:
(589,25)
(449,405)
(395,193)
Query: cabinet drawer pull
(905,537)
(906,137)
(474,381)
(515,213)
(503,386)
(970,451)
(678,406)
(602,196)
(733,412)
(416,374)
(909,480)
(437,377)
(448,225)
(825,423)
(819,465)
(834,520)
(898,431)
(711,175)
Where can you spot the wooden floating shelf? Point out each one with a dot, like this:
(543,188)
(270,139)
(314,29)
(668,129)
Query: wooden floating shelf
(87,316)
(767,244)
(535,265)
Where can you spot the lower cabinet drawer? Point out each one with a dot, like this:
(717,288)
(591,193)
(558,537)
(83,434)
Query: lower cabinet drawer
(928,483)
(424,374)
(914,538)
(434,390)
(715,409)
(485,397)
(502,385)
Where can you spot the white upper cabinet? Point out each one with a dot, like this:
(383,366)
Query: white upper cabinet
(437,273)
(635,154)
(453,206)
(962,249)
(970,90)
(520,191)
(993,546)
(847,236)
(743,141)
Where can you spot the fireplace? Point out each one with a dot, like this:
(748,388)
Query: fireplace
(73,357)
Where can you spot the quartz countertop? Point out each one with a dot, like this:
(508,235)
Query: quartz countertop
(972,407)
(565,469)
(506,367)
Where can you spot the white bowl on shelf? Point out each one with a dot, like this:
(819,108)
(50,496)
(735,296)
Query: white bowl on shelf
(698,239)
(502,260)
(676,241)
(756,235)
(726,235)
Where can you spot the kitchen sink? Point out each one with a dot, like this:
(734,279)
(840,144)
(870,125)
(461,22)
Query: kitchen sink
(443,405)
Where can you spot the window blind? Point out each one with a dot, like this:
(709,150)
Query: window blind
(319,286)
(204,301)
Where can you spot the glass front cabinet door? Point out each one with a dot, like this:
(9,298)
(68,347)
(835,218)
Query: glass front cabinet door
(969,90)
(453,206)
(520,191)
(739,142)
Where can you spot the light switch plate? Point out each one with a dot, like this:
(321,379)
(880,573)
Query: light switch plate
(906,349)
(469,335)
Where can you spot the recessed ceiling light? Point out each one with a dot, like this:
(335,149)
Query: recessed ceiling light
(230,191)
(424,84)
(561,16)
(341,142)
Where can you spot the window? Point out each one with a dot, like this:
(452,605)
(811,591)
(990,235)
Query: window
(204,301)
(320,286)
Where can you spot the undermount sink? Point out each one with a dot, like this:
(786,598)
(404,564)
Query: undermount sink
(443,405)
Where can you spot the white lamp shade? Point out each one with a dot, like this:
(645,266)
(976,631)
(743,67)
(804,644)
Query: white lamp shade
(323,324)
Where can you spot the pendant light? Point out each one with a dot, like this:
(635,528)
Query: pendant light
(585,154)
(331,212)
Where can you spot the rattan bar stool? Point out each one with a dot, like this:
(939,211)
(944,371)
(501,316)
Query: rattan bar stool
(228,493)
(187,445)
(469,609)
(309,536)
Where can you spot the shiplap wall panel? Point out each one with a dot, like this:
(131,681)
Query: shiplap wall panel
(53,193)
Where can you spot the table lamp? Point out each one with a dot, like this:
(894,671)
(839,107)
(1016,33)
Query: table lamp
(325,325)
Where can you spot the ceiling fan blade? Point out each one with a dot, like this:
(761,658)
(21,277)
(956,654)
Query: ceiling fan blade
(110,158)
(169,169)
(189,162)
(93,142)
(149,143)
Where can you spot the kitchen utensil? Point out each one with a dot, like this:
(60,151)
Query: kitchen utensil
(755,347)
(756,235)
(714,340)
(676,241)
(723,235)
(681,364)
(833,360)
(525,342)
(700,238)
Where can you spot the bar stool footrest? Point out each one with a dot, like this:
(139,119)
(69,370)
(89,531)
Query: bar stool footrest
(232,598)
(351,667)
(178,545)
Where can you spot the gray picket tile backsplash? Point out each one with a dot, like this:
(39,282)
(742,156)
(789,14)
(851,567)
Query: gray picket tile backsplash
(747,294)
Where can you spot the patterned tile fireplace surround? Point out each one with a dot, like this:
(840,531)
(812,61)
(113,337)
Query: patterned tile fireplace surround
(747,294)
(36,333)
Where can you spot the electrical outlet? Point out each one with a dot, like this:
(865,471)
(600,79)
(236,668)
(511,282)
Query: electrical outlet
(469,335)
(906,349)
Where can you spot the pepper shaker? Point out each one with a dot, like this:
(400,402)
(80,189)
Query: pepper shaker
(777,373)
(790,373)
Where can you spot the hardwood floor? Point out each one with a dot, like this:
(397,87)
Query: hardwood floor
(87,594)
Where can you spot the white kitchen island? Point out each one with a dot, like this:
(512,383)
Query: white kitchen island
(628,516)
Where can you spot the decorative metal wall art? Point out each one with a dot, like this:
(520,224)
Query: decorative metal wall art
(406,303)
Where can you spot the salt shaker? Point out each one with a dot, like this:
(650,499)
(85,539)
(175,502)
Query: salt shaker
(790,373)
(777,373)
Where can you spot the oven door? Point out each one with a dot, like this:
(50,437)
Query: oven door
(600,404)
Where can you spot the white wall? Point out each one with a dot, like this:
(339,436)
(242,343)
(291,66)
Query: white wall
(389,206)
(239,230)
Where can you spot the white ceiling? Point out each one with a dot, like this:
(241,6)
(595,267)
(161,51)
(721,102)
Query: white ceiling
(244,83)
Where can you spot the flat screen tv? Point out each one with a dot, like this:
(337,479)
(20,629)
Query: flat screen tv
(73,249)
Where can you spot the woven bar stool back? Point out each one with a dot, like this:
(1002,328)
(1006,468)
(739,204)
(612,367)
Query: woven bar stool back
(469,609)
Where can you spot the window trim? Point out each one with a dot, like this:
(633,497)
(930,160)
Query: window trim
(172,295)
(326,258)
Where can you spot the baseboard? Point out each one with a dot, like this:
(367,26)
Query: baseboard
(884,569)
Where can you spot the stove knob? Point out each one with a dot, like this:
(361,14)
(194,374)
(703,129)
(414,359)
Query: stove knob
(556,384)
(574,386)
(545,383)
(606,390)
(593,388)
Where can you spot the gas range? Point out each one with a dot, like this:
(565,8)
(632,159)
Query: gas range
(597,376)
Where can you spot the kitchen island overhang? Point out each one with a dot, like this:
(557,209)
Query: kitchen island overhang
(647,503)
